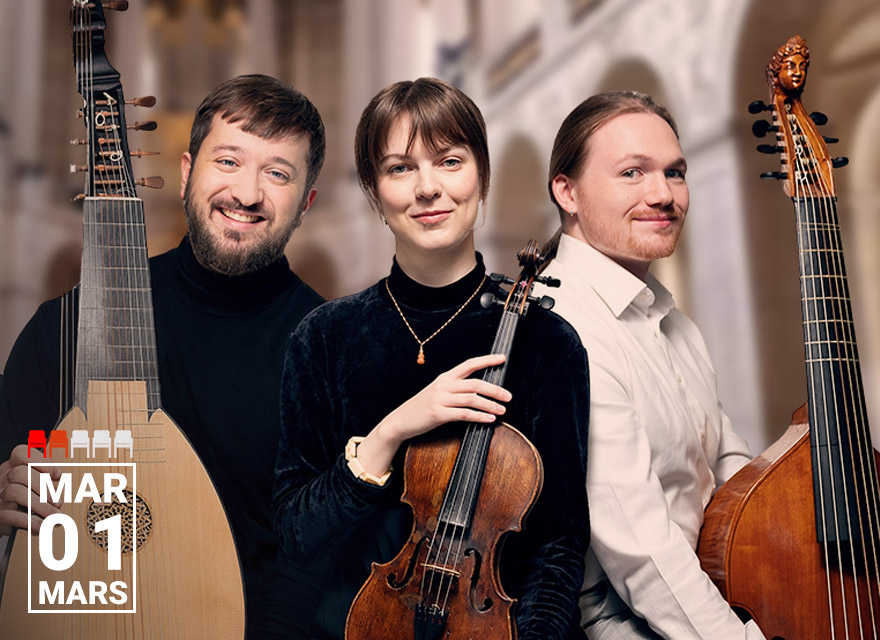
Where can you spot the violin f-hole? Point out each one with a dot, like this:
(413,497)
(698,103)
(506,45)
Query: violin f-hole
(487,602)
(410,568)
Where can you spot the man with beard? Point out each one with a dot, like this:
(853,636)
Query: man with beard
(224,301)
(659,442)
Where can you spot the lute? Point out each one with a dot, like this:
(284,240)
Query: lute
(157,558)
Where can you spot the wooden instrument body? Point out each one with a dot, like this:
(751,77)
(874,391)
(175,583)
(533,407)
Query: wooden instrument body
(758,545)
(511,483)
(185,547)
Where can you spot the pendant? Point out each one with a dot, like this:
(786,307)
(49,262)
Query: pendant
(421,358)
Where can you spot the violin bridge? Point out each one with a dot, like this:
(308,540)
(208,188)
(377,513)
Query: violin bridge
(444,570)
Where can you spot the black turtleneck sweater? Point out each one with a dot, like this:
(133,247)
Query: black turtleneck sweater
(353,361)
(220,344)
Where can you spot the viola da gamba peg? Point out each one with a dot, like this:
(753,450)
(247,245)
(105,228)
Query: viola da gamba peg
(116,5)
(758,106)
(147,125)
(488,300)
(139,153)
(153,182)
(761,127)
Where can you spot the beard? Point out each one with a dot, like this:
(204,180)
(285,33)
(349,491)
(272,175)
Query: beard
(229,254)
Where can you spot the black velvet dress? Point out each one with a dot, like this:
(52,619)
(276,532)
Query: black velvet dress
(349,364)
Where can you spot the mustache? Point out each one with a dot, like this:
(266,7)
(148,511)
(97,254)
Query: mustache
(235,205)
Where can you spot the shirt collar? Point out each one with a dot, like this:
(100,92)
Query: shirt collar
(617,287)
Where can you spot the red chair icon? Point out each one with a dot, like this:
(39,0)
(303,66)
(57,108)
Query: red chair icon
(36,440)
(57,440)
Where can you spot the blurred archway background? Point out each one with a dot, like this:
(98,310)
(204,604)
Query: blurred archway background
(526,63)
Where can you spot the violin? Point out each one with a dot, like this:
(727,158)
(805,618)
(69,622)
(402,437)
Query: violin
(793,539)
(466,490)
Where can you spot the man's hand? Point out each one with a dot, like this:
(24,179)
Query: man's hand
(14,491)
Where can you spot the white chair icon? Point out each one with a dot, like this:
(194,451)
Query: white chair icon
(123,440)
(79,439)
(101,438)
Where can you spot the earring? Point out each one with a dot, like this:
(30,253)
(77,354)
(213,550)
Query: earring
(573,212)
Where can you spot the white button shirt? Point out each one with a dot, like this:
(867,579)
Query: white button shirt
(659,444)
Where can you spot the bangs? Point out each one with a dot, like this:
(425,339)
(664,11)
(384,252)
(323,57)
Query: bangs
(440,115)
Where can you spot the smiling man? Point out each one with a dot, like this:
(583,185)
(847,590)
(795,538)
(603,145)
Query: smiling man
(225,301)
(659,440)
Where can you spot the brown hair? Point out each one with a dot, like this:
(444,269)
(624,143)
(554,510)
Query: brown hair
(571,146)
(269,109)
(441,116)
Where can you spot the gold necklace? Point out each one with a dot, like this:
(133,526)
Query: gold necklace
(422,343)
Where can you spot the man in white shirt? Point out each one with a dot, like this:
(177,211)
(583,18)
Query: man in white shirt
(659,441)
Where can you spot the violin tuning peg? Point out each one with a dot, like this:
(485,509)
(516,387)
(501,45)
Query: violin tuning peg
(139,153)
(147,125)
(116,5)
(500,277)
(830,140)
(761,127)
(145,101)
(818,117)
(758,106)
(488,300)
(549,281)
(774,175)
(153,182)
(839,162)
(546,302)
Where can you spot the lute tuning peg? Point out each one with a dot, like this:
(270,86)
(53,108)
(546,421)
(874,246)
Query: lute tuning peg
(818,117)
(769,148)
(145,101)
(139,153)
(147,125)
(153,182)
(774,175)
(839,162)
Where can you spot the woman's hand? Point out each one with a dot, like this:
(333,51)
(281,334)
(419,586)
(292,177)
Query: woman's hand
(451,397)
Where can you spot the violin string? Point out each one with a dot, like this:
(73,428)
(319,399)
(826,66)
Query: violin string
(800,196)
(476,454)
(458,497)
(441,531)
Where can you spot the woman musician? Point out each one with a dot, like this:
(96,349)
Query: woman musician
(371,371)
